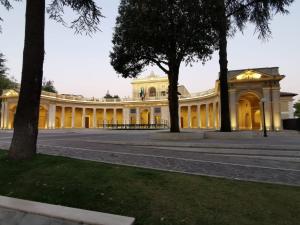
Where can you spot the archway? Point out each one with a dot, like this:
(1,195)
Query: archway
(145,117)
(249,114)
(43,117)
(12,112)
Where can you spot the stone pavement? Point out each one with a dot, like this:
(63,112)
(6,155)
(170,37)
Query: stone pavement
(242,156)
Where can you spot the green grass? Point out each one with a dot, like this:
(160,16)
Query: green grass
(152,197)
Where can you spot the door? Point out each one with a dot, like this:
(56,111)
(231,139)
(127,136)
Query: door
(87,122)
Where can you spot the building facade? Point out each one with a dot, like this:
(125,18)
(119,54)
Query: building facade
(149,105)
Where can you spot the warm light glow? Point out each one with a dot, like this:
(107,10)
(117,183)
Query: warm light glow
(249,75)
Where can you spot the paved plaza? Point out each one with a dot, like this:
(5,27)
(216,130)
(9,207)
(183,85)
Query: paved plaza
(241,156)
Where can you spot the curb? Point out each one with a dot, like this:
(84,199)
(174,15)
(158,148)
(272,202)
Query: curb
(65,213)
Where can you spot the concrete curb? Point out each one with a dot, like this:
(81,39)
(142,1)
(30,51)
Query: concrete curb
(65,213)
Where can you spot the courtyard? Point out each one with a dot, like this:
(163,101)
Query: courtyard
(243,156)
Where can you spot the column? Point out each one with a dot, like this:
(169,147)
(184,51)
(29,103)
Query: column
(276,109)
(83,118)
(198,116)
(152,115)
(232,109)
(267,103)
(62,119)
(206,116)
(104,116)
(179,116)
(189,116)
(6,115)
(115,116)
(214,115)
(73,117)
(94,118)
(51,116)
(2,114)
(137,115)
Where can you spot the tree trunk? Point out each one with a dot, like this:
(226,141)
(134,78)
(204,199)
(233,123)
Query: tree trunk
(23,145)
(173,98)
(225,113)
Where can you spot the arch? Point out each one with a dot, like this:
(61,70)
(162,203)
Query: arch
(249,115)
(152,92)
(194,117)
(184,117)
(43,117)
(12,112)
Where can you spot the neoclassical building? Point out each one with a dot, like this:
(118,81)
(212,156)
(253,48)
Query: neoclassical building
(149,104)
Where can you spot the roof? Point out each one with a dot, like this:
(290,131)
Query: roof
(287,94)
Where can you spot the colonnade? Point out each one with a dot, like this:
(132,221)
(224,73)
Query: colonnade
(205,116)
(84,117)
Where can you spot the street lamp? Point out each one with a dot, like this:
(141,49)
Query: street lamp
(264,117)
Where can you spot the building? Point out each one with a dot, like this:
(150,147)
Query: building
(149,104)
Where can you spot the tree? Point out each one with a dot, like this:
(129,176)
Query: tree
(23,145)
(48,85)
(162,33)
(5,82)
(297,109)
(230,15)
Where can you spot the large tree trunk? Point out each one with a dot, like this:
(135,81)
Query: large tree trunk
(225,113)
(23,145)
(173,98)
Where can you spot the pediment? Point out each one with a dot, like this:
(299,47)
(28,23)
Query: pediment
(10,93)
(251,75)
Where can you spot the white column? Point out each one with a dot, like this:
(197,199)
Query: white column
(94,118)
(232,109)
(104,116)
(2,114)
(152,115)
(51,116)
(214,115)
(73,117)
(276,109)
(267,103)
(179,116)
(189,116)
(137,115)
(115,116)
(83,118)
(124,112)
(62,121)
(206,115)
(198,116)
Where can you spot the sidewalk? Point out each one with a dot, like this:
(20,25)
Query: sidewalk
(21,212)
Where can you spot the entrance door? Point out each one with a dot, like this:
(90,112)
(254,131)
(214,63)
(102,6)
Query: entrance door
(87,122)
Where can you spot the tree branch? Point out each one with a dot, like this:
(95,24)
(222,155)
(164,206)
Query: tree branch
(242,7)
(158,63)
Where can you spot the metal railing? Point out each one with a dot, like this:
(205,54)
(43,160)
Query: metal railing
(136,126)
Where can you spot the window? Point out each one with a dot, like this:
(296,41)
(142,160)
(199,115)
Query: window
(157,110)
(163,93)
(133,111)
(152,92)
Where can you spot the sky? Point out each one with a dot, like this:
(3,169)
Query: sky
(80,64)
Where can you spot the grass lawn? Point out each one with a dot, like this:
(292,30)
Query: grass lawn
(152,197)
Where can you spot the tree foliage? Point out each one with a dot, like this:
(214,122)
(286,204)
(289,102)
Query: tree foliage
(48,85)
(5,81)
(297,109)
(162,33)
